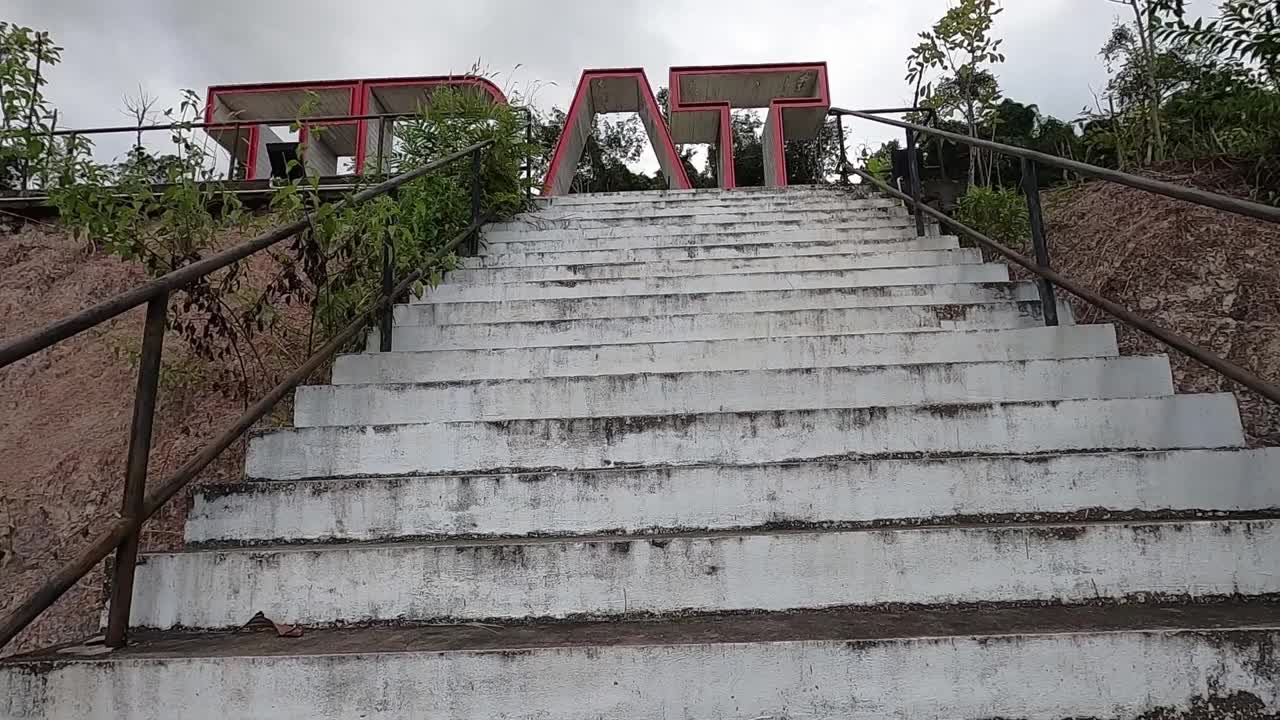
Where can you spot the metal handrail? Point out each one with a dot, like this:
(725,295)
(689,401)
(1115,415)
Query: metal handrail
(138,505)
(930,116)
(238,124)
(14,350)
(1245,377)
(231,124)
(243,122)
(1040,266)
(1179,192)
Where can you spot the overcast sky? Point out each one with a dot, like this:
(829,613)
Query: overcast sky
(112,46)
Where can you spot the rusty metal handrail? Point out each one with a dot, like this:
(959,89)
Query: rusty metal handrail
(14,350)
(1178,192)
(1208,358)
(137,506)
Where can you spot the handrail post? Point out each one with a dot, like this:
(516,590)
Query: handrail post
(476,169)
(382,130)
(1031,188)
(844,158)
(913,178)
(46,179)
(387,318)
(235,155)
(135,488)
(68,161)
(528,155)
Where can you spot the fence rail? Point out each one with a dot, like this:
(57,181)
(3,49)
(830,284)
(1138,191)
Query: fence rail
(1046,278)
(137,505)
(237,126)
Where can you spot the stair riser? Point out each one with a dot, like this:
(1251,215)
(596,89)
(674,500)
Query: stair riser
(685,268)
(590,221)
(815,229)
(1093,674)
(1185,421)
(667,212)
(562,242)
(708,252)
(650,305)
(905,318)
(747,282)
(604,577)
(713,498)
(749,391)
(750,195)
(751,354)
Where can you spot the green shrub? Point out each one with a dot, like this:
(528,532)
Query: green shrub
(334,269)
(1000,214)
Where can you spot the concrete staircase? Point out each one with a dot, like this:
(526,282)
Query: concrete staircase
(718,455)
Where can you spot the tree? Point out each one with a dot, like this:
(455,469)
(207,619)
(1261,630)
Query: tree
(748,152)
(1139,41)
(1247,31)
(610,148)
(960,43)
(811,162)
(26,118)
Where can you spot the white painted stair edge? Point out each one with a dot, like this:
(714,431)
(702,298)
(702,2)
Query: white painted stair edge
(460,580)
(1058,674)
(724,497)
(762,353)
(733,391)
(1181,421)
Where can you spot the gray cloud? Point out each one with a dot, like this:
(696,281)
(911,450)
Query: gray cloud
(112,47)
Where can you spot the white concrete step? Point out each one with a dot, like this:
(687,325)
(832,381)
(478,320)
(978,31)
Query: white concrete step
(750,197)
(834,213)
(740,282)
(727,326)
(1037,343)
(766,301)
(725,266)
(733,391)
(708,252)
(1181,421)
(724,497)
(461,580)
(571,241)
(1205,661)
(659,212)
(816,229)
(693,217)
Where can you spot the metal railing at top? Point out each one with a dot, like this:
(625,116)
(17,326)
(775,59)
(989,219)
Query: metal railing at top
(239,140)
(911,148)
(1047,278)
(137,506)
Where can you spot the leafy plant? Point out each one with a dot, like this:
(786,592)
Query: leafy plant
(1246,30)
(26,118)
(961,44)
(1001,214)
(334,270)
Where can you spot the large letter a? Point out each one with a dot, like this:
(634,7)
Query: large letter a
(608,91)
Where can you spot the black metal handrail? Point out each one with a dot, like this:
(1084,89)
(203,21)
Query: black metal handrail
(1047,278)
(138,505)
(930,116)
(237,125)
(1179,192)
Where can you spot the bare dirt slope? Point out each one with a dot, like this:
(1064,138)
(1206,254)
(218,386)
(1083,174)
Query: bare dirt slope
(64,418)
(1212,276)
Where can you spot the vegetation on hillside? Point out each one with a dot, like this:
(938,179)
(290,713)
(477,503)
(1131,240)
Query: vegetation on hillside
(1178,89)
(232,335)
(168,210)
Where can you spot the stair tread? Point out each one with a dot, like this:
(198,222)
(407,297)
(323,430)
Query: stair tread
(850,625)
(980,525)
